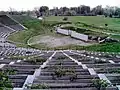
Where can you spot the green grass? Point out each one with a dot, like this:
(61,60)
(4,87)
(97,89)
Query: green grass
(22,18)
(113,23)
(43,47)
(36,28)
(107,47)
(84,30)
(115,37)
(20,37)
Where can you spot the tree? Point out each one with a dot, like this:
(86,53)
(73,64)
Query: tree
(56,11)
(109,11)
(70,13)
(85,9)
(110,16)
(79,10)
(44,11)
(117,12)
(98,10)
(3,12)
(36,11)
(63,10)
(74,10)
(37,14)
(12,11)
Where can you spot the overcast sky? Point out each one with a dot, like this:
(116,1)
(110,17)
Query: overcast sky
(30,4)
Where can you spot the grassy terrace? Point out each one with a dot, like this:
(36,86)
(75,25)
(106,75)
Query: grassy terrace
(36,27)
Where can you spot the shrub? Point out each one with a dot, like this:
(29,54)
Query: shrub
(35,60)
(100,84)
(114,71)
(106,25)
(60,72)
(39,86)
(65,18)
(4,80)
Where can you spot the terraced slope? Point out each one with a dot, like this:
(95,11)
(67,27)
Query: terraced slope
(61,70)
(8,21)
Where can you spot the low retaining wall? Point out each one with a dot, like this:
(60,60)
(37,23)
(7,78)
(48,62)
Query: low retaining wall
(79,36)
(63,31)
(73,34)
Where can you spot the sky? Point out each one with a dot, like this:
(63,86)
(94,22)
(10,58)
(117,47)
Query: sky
(30,4)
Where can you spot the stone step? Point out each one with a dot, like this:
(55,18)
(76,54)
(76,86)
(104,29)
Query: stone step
(17,76)
(17,85)
(64,66)
(24,66)
(67,77)
(63,63)
(52,70)
(69,85)
(64,81)
(17,80)
(90,88)
(78,73)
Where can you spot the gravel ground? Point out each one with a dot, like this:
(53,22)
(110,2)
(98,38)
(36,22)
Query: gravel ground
(51,41)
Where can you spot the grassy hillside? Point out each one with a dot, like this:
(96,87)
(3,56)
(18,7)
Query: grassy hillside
(100,21)
(115,37)
(107,47)
(21,18)
(36,27)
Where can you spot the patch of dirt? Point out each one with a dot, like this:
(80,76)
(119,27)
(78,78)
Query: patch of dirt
(52,41)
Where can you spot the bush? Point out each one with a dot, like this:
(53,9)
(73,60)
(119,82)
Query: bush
(39,86)
(60,72)
(106,25)
(100,84)
(65,18)
(4,80)
(106,47)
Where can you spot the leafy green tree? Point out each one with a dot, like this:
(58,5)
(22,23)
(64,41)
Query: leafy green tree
(117,12)
(44,10)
